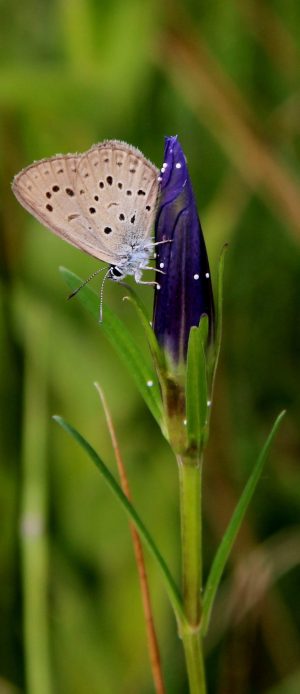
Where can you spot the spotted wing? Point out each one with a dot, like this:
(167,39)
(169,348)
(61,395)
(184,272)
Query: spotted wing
(47,190)
(96,200)
(118,190)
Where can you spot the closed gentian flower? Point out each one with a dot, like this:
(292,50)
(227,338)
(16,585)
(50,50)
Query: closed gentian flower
(184,291)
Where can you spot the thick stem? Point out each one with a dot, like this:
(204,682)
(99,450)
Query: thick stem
(190,515)
(190,473)
(193,651)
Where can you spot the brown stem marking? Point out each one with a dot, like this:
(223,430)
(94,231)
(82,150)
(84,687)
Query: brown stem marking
(139,557)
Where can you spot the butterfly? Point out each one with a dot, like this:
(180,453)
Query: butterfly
(103,202)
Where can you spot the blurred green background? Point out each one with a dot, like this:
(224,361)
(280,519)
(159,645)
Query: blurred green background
(224,76)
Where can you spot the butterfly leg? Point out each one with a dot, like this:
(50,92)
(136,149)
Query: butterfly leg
(158,243)
(150,284)
(138,278)
(156,269)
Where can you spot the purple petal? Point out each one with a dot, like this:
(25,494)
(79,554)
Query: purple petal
(185,292)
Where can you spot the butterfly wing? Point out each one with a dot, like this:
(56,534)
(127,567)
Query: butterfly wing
(47,190)
(125,200)
(96,201)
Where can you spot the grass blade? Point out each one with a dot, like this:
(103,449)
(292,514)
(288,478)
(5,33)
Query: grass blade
(215,351)
(153,646)
(196,383)
(122,341)
(233,528)
(170,586)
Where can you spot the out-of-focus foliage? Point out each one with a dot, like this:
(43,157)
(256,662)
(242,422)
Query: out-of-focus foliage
(224,77)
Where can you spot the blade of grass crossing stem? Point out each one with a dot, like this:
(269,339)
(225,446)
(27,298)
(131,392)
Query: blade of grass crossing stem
(170,586)
(153,647)
(122,341)
(233,528)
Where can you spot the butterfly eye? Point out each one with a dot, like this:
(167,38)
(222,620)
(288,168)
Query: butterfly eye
(116,272)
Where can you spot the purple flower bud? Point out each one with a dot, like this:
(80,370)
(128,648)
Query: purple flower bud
(185,290)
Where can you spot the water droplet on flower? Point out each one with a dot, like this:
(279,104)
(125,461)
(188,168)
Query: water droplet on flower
(161,265)
(196,277)
(178,165)
(207,274)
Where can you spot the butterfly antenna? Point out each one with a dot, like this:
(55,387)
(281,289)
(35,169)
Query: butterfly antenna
(101,295)
(86,281)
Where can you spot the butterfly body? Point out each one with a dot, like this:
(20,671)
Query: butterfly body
(134,260)
(102,201)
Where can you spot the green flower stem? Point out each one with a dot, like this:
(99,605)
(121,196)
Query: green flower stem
(190,500)
(190,474)
(192,645)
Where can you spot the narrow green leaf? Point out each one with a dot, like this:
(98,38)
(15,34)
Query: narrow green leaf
(149,333)
(122,341)
(196,383)
(215,353)
(114,487)
(233,528)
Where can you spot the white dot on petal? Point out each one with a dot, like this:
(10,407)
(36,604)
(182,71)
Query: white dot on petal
(158,286)
(178,165)
(161,265)
(149,384)
(159,178)
(207,274)
(196,277)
